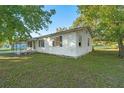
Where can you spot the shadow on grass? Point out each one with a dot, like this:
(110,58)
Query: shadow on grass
(13,58)
(105,53)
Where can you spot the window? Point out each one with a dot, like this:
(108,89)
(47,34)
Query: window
(41,43)
(88,43)
(58,41)
(79,44)
(29,43)
(80,41)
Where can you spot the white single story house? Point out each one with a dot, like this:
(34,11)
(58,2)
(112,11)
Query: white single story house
(73,42)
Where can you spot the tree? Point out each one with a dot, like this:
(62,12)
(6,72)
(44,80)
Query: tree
(59,29)
(17,22)
(106,22)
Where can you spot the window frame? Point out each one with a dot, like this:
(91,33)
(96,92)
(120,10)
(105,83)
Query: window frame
(41,43)
(58,41)
(80,41)
(30,44)
(88,43)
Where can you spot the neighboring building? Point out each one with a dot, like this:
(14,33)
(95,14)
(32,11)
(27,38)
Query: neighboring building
(73,42)
(20,46)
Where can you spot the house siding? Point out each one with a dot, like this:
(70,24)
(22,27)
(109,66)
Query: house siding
(68,45)
(84,49)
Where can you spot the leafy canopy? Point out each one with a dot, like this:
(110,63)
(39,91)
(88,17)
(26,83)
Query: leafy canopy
(17,22)
(106,22)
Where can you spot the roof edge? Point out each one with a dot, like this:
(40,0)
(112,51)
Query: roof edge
(62,32)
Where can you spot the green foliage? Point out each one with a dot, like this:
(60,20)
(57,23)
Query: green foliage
(17,22)
(59,29)
(105,45)
(106,22)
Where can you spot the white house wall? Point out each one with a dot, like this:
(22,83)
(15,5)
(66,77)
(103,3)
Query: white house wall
(68,45)
(84,48)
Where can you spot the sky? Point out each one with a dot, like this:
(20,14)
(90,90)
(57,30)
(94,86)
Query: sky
(64,17)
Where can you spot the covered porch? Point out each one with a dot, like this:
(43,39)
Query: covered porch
(31,45)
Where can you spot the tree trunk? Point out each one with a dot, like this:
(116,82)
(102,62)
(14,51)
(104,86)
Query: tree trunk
(93,48)
(12,46)
(121,47)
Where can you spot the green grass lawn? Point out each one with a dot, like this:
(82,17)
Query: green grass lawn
(97,69)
